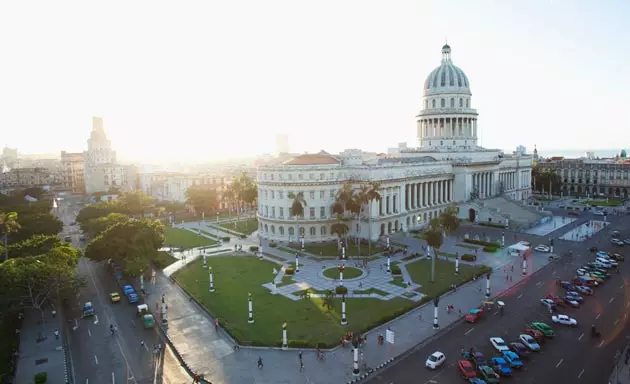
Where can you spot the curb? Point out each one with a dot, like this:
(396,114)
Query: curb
(180,358)
(363,376)
(65,364)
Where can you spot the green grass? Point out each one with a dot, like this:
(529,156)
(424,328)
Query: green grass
(446,254)
(245,227)
(330,249)
(211,235)
(311,291)
(308,322)
(286,280)
(280,259)
(163,259)
(369,291)
(348,273)
(398,280)
(420,272)
(468,246)
(184,238)
(323,258)
(605,203)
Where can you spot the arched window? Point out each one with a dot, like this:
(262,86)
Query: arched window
(273,229)
(426,104)
(323,230)
(301,231)
(442,103)
(281,230)
(312,231)
(461,102)
(452,102)
(433,103)
(291,231)
(266,228)
(466,103)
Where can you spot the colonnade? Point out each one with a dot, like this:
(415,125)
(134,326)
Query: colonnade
(447,127)
(487,183)
(412,196)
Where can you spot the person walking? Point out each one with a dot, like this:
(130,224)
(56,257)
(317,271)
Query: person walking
(216,325)
(56,334)
(260,363)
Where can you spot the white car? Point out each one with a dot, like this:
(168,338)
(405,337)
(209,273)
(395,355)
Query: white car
(598,213)
(499,344)
(548,303)
(580,272)
(606,262)
(602,254)
(435,360)
(564,319)
(542,248)
(529,342)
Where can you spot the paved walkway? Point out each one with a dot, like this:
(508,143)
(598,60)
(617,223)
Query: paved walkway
(621,371)
(211,352)
(40,350)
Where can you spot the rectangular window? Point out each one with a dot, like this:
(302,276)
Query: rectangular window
(265,194)
(280,195)
(321,195)
(312,211)
(273,194)
(282,212)
(273,212)
(321,176)
(300,176)
(311,176)
(332,193)
(322,212)
(312,195)
(266,211)
(290,176)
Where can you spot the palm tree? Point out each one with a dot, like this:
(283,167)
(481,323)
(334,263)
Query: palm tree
(328,300)
(449,220)
(433,237)
(340,228)
(297,209)
(372,194)
(8,224)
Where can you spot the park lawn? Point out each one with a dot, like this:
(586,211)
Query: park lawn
(605,203)
(163,259)
(330,249)
(184,238)
(420,272)
(308,322)
(348,273)
(246,227)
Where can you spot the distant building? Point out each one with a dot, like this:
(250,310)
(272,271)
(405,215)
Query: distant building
(72,171)
(282,144)
(26,178)
(396,151)
(172,186)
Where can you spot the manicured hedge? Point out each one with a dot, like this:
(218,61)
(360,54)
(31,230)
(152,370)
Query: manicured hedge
(395,270)
(289,271)
(492,225)
(481,242)
(411,257)
(226,239)
(341,290)
(490,249)
(254,248)
(468,257)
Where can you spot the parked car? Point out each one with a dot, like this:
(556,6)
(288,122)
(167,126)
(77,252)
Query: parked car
(499,344)
(513,359)
(542,248)
(466,369)
(529,342)
(565,320)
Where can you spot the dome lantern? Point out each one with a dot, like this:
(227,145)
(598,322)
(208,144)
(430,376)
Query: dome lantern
(446,53)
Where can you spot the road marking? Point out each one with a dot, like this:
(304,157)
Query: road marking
(538,284)
(89,333)
(581,373)
(87,381)
(622,285)
(616,321)
(76,325)
(559,362)
(95,319)
(468,331)
(114,379)
(598,315)
(519,296)
(581,336)
(625,316)
(600,344)
(611,300)
(96,359)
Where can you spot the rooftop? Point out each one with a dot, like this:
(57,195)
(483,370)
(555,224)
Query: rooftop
(320,158)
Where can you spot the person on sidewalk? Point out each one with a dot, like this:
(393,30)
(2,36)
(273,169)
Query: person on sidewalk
(216,324)
(260,363)
(54,313)
(56,334)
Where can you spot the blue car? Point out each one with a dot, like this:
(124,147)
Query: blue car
(513,359)
(500,366)
(133,298)
(127,289)
(575,296)
(476,380)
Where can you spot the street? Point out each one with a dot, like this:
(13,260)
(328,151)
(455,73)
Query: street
(573,355)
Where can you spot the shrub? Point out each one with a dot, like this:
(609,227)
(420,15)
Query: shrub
(40,378)
(468,257)
(490,249)
(273,244)
(415,231)
(289,271)
(254,248)
(395,270)
(226,239)
(481,242)
(341,290)
(492,225)
(243,236)
(411,257)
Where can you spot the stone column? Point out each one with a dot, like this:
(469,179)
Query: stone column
(436,303)
(434,192)
(250,308)
(420,197)
(380,206)
(409,196)
(487,286)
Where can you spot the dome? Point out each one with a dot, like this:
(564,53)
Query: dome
(447,78)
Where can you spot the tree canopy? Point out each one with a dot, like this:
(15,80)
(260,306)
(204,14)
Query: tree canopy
(202,199)
(133,244)
(34,246)
(129,204)
(95,226)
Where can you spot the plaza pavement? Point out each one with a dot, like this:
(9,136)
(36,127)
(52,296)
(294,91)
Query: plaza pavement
(40,351)
(205,351)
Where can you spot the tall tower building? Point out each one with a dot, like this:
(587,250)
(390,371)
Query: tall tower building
(99,146)
(282,144)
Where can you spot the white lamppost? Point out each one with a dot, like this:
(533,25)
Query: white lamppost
(387,242)
(503,239)
(389,260)
(355,358)
(211,279)
(487,286)
(302,242)
(250,305)
(141,283)
(285,342)
(344,319)
(436,302)
(457,264)
(260,254)
(205,262)
(341,268)
(343,252)
(273,287)
(297,263)
(524,271)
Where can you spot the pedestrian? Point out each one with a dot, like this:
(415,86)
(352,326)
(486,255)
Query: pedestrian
(56,334)
(512,268)
(301,365)
(300,355)
(216,324)
(260,363)
(54,313)
(162,298)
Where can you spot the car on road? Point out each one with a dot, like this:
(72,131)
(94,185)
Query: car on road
(133,298)
(618,256)
(466,369)
(529,342)
(548,303)
(520,349)
(476,380)
(478,358)
(474,315)
(114,297)
(573,303)
(615,234)
(584,290)
(607,261)
(617,242)
(575,296)
(500,366)
(601,254)
(542,248)
(435,360)
(88,309)
(513,359)
(488,374)
(127,289)
(598,213)
(581,271)
(584,280)
(594,277)
(564,319)
(627,241)
(544,328)
(499,344)
(536,334)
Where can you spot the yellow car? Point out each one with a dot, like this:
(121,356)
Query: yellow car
(114,297)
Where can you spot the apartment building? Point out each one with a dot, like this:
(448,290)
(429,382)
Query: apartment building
(73,172)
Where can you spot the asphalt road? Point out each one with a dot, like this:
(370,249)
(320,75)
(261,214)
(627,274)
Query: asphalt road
(573,356)
(99,357)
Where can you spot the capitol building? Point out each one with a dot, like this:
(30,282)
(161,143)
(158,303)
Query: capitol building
(448,167)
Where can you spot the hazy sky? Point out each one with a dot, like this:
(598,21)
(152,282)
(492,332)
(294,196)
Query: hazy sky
(205,79)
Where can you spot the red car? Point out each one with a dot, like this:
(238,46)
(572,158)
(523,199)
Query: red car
(466,369)
(557,300)
(536,334)
(473,315)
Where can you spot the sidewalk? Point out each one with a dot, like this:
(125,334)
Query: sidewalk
(40,351)
(621,371)
(208,352)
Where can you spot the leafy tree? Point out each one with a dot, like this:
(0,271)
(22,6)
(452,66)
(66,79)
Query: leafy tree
(246,188)
(8,224)
(134,203)
(340,228)
(433,237)
(95,211)
(449,220)
(328,301)
(35,245)
(37,224)
(133,244)
(95,226)
(35,282)
(202,199)
(372,193)
(297,209)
